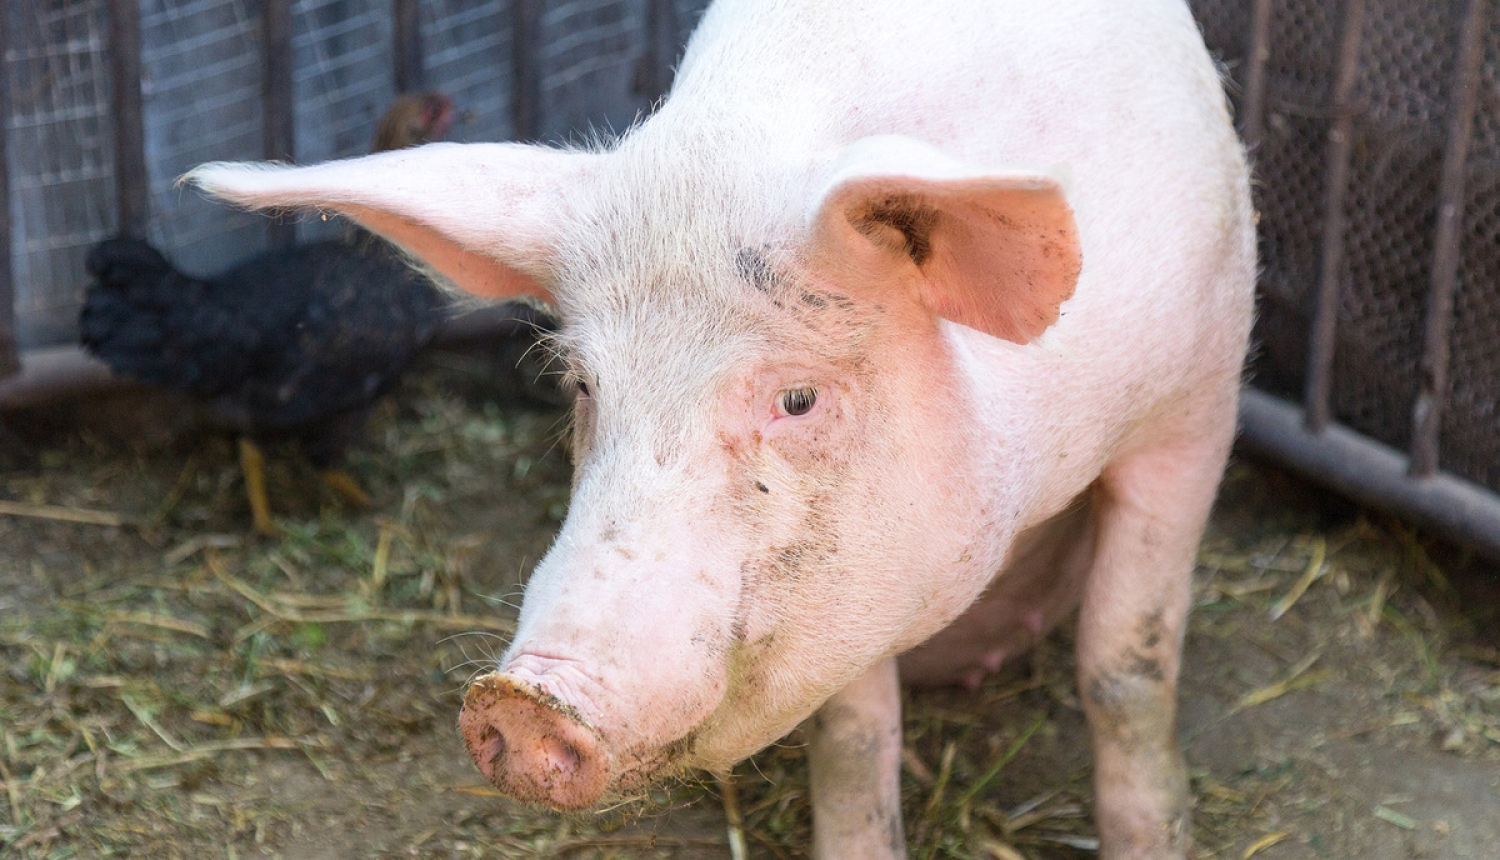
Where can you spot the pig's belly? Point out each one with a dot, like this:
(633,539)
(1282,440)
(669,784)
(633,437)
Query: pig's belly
(1036,590)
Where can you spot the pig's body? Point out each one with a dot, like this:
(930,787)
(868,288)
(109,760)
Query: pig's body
(862,209)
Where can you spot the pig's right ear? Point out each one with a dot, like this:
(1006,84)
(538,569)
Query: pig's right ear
(479,214)
(997,252)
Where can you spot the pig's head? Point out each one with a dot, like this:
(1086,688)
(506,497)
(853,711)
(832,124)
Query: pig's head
(774,435)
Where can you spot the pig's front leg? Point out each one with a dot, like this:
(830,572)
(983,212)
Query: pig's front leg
(854,759)
(1152,508)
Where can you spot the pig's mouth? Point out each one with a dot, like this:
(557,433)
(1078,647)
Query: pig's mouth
(535,747)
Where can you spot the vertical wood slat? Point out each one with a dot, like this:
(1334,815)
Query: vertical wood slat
(526,69)
(276,101)
(1257,58)
(1335,221)
(10,360)
(132,187)
(406,33)
(1432,394)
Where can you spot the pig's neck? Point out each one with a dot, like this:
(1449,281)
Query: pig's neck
(1044,462)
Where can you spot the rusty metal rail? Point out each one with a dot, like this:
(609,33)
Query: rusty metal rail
(1370,473)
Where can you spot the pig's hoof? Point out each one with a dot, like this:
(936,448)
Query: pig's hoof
(532,746)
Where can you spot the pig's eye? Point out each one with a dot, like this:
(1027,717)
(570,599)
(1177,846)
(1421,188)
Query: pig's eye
(581,387)
(798,401)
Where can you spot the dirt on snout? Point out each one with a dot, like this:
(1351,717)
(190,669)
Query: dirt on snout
(171,686)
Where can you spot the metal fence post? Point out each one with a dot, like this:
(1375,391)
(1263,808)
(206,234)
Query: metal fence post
(131,184)
(1432,394)
(1335,221)
(10,359)
(653,74)
(1259,54)
(526,70)
(406,33)
(276,94)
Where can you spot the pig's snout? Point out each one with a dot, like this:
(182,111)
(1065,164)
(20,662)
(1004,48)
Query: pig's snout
(531,745)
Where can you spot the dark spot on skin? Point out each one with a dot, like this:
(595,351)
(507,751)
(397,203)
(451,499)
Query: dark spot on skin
(1144,666)
(1103,691)
(752,266)
(762,487)
(895,834)
(1152,629)
(907,216)
(814,300)
(790,557)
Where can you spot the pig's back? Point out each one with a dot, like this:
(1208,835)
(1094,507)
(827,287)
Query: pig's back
(1120,99)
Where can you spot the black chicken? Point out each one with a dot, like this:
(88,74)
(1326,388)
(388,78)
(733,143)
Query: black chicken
(293,343)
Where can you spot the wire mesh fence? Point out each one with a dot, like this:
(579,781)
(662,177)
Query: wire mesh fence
(202,80)
(1363,283)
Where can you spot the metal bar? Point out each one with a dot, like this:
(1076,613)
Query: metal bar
(10,359)
(411,65)
(654,73)
(1256,60)
(1432,394)
(1335,221)
(1370,473)
(526,69)
(55,374)
(131,184)
(276,101)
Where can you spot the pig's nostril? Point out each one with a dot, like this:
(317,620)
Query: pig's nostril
(488,751)
(561,755)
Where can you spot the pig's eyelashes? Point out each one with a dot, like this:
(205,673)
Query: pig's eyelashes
(797,401)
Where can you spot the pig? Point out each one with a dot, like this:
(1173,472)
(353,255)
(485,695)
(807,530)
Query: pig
(898,332)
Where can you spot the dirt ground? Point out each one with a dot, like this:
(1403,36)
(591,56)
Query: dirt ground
(172,687)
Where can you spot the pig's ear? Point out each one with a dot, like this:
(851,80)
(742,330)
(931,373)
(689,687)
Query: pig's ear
(997,252)
(478,214)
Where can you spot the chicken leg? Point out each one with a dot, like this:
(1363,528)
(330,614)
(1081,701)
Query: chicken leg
(253,467)
(343,483)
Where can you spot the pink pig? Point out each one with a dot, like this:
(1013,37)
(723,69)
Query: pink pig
(899,331)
